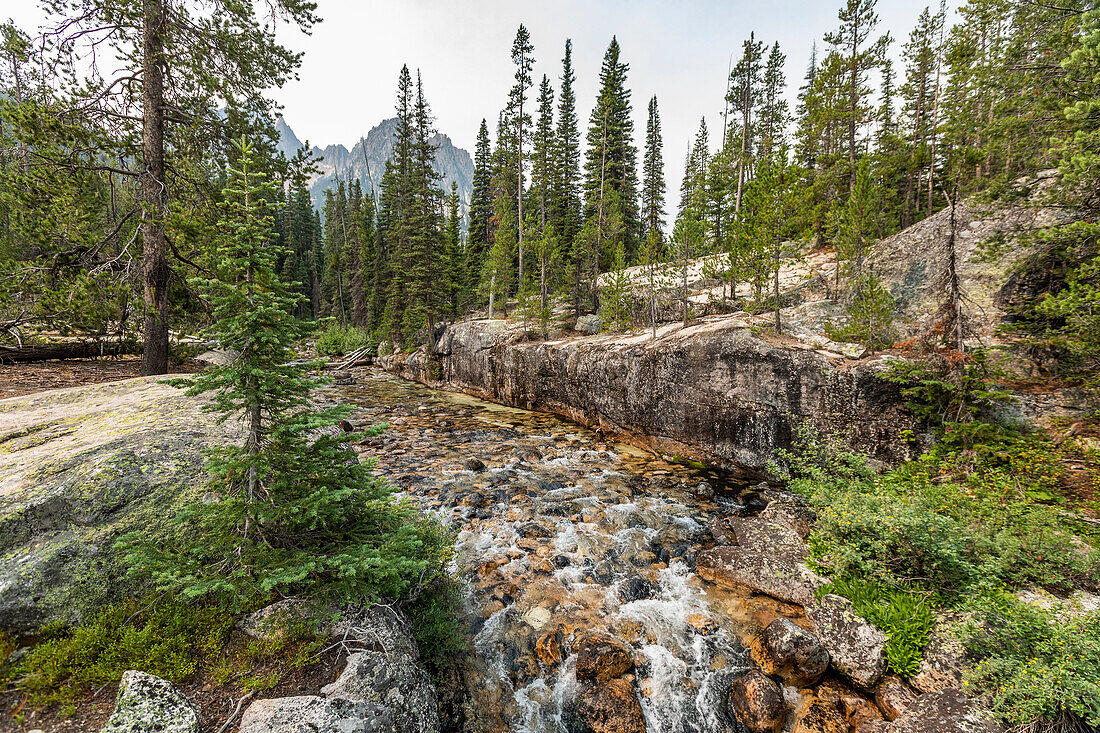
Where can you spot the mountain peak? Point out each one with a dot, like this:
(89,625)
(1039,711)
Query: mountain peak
(366,160)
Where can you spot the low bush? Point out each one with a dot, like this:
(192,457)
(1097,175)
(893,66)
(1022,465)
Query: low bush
(1034,665)
(338,340)
(165,639)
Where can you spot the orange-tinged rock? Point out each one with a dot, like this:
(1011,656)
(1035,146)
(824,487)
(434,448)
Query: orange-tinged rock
(702,624)
(611,707)
(601,656)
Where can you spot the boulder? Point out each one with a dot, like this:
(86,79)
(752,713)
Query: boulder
(764,557)
(757,702)
(78,468)
(601,656)
(791,511)
(946,711)
(282,618)
(312,714)
(856,648)
(893,696)
(393,682)
(610,707)
(798,656)
(588,325)
(942,664)
(819,716)
(148,704)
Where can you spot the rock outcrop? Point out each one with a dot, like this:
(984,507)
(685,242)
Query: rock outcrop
(946,711)
(712,391)
(148,704)
(763,557)
(381,689)
(78,468)
(856,648)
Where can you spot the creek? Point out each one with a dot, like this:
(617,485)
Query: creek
(559,532)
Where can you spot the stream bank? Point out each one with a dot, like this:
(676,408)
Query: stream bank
(713,392)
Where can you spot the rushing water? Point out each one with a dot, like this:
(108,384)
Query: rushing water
(559,533)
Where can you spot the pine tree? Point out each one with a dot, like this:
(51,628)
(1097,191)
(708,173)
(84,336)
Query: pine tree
(481,205)
(543,155)
(611,159)
(653,175)
(297,514)
(773,116)
(567,166)
(858,20)
(521,57)
(744,98)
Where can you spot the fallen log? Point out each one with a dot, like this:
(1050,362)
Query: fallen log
(69,350)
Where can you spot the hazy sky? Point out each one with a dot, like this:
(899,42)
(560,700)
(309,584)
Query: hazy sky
(677,49)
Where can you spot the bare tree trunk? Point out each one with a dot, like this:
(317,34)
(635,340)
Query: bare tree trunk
(954,295)
(492,293)
(778,325)
(155,270)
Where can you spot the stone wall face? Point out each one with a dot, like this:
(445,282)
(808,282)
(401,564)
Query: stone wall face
(711,392)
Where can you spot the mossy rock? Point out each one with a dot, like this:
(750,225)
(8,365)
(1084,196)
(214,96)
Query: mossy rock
(80,467)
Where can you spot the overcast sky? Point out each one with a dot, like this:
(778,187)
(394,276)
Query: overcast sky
(677,49)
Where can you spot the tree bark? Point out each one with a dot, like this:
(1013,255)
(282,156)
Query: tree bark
(155,270)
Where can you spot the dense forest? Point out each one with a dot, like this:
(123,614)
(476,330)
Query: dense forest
(109,186)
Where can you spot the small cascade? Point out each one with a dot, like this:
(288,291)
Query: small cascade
(559,534)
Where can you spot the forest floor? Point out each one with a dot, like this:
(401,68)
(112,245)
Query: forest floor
(30,377)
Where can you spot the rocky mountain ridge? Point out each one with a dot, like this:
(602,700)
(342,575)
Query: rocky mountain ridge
(366,160)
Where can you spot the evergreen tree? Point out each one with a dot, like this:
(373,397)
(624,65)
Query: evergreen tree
(297,513)
(567,166)
(521,57)
(653,175)
(744,99)
(481,205)
(611,159)
(543,155)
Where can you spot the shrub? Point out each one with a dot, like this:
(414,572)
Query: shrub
(956,520)
(434,610)
(1034,666)
(338,340)
(905,615)
(165,639)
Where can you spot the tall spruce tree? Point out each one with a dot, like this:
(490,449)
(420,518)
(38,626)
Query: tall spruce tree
(611,158)
(567,168)
(653,175)
(543,155)
(852,41)
(297,514)
(521,57)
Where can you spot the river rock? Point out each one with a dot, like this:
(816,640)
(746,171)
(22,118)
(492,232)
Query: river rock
(942,664)
(79,468)
(312,714)
(893,696)
(765,557)
(548,648)
(798,656)
(148,704)
(610,707)
(601,656)
(757,702)
(945,711)
(856,648)
(819,716)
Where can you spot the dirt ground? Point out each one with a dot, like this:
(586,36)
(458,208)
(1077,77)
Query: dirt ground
(30,377)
